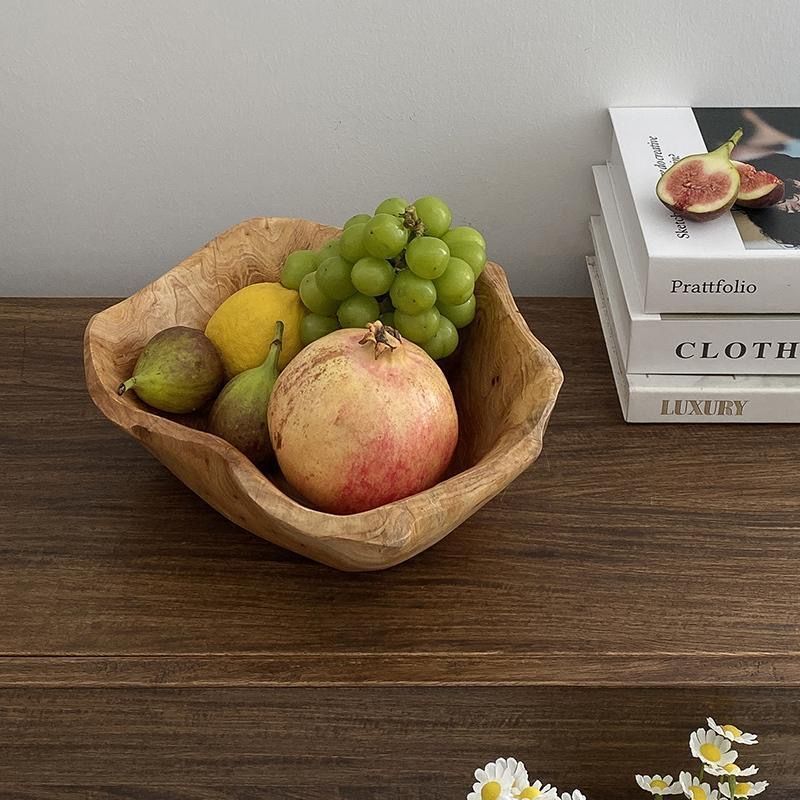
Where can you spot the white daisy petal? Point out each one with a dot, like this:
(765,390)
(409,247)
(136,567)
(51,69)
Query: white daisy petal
(519,776)
(751,770)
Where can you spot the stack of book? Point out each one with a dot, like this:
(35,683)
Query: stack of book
(701,320)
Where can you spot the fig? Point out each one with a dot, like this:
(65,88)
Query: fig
(239,414)
(178,371)
(703,186)
(757,188)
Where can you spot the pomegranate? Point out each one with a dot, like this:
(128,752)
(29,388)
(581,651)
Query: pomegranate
(361,419)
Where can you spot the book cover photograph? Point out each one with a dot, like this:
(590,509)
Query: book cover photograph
(771,143)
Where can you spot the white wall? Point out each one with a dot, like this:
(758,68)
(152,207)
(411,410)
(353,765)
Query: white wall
(132,132)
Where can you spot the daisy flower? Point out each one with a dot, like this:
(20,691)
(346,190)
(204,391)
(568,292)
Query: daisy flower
(744,789)
(733,733)
(731,769)
(535,790)
(695,790)
(711,748)
(577,794)
(494,781)
(655,784)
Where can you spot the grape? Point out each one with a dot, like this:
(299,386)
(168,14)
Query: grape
(472,253)
(412,294)
(427,256)
(387,319)
(330,248)
(351,245)
(392,205)
(385,236)
(297,266)
(372,276)
(417,327)
(355,219)
(315,326)
(314,299)
(460,315)
(464,234)
(357,311)
(443,342)
(435,215)
(456,284)
(333,278)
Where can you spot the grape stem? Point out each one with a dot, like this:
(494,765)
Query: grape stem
(399,263)
(412,221)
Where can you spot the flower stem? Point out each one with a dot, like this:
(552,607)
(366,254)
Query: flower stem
(732,785)
(702,772)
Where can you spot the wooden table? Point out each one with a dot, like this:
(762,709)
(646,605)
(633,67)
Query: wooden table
(636,579)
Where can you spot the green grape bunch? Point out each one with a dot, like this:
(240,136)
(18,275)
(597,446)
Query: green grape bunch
(402,264)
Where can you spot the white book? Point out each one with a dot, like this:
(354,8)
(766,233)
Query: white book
(684,343)
(693,398)
(742,262)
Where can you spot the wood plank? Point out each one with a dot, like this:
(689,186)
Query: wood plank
(368,742)
(404,669)
(626,550)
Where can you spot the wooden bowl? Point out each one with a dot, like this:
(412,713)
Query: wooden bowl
(505,383)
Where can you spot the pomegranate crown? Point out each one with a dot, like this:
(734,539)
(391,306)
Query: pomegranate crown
(382,336)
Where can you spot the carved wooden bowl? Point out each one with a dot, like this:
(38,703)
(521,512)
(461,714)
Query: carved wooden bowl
(505,384)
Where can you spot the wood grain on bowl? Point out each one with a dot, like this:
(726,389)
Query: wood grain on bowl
(504,380)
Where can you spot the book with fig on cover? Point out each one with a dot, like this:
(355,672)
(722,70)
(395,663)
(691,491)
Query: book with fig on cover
(745,261)
(684,343)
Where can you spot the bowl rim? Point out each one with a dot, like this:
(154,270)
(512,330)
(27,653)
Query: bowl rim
(388,527)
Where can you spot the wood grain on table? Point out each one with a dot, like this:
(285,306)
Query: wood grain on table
(634,580)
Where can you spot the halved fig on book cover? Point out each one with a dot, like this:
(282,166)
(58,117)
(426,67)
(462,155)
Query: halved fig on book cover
(702,186)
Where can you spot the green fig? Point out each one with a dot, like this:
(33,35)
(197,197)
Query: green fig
(239,414)
(178,371)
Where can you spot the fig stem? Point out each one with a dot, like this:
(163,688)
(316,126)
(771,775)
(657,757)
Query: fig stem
(128,384)
(271,361)
(730,143)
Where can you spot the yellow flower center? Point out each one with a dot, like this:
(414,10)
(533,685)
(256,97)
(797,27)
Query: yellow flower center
(529,793)
(710,752)
(743,789)
(732,730)
(491,791)
(730,768)
(654,784)
(698,793)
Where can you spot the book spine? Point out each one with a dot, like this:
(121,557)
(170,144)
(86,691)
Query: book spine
(721,286)
(714,347)
(686,406)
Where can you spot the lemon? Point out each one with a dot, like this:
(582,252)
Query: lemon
(242,327)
